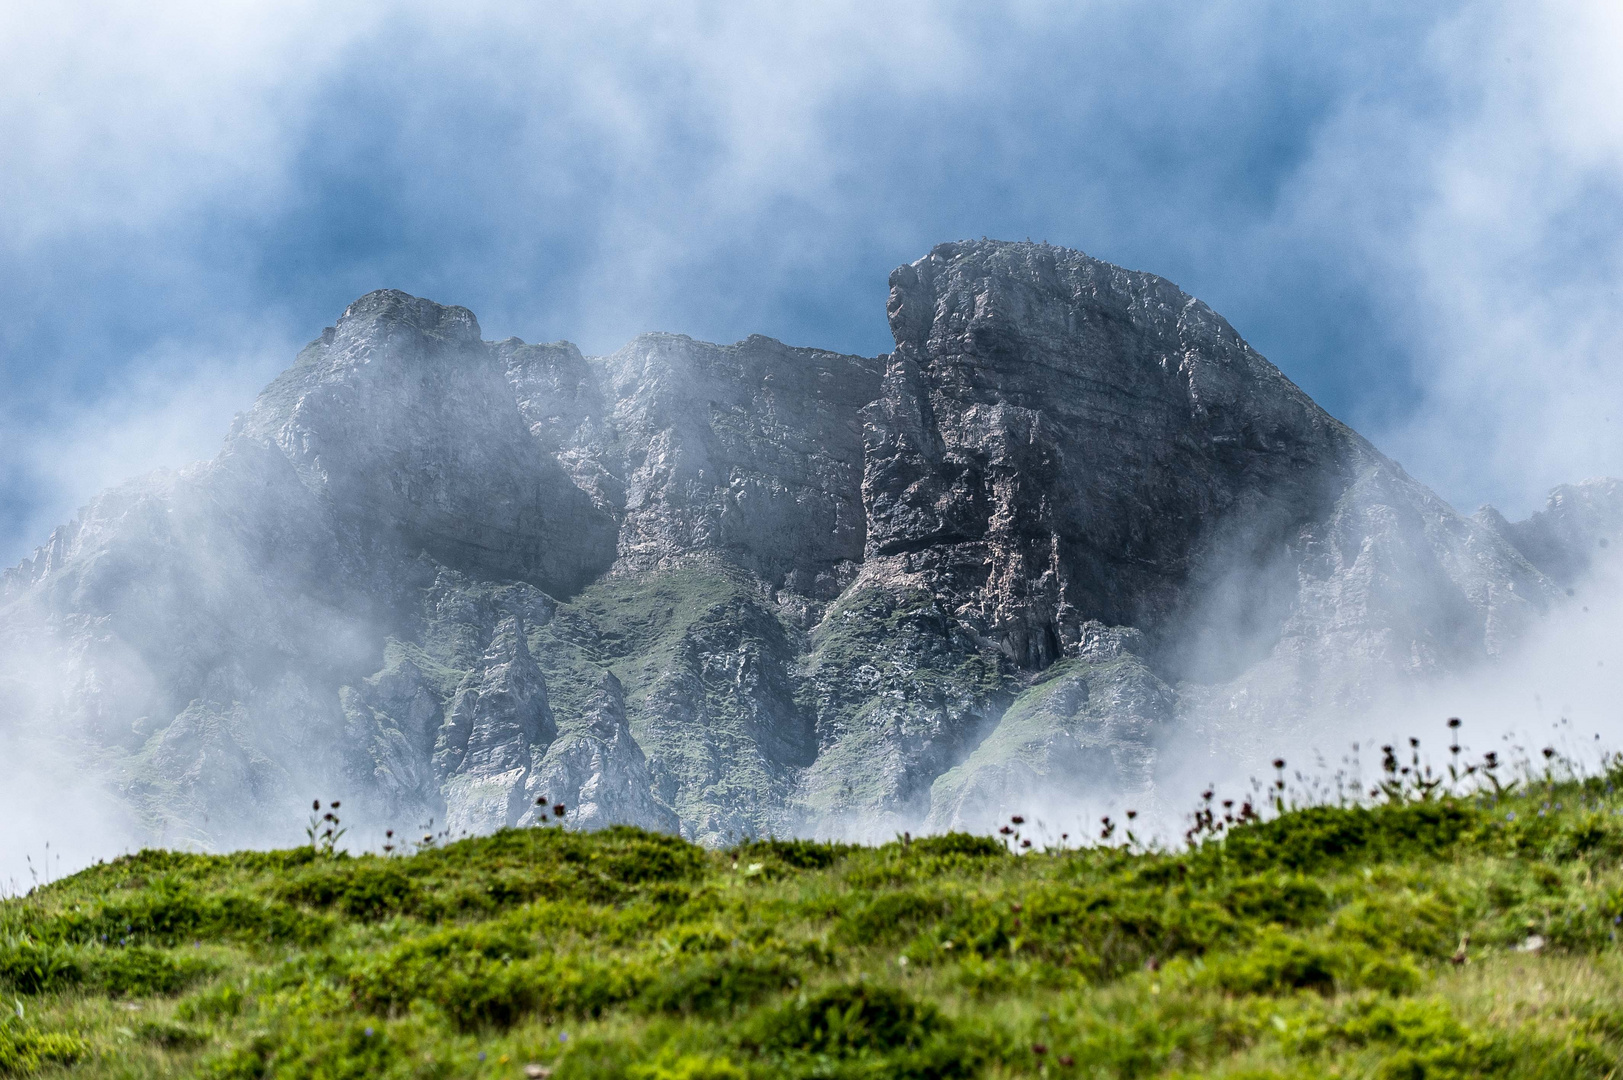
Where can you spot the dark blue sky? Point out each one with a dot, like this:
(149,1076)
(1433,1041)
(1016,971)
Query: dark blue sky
(1380,202)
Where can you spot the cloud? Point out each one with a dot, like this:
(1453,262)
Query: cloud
(1487,217)
(1413,212)
(168,409)
(118,116)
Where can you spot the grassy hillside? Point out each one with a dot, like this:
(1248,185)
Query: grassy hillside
(1423,937)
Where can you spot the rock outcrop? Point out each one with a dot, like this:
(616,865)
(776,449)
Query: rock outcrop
(1072,525)
(1573,531)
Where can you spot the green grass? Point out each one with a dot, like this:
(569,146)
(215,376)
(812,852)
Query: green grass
(1320,943)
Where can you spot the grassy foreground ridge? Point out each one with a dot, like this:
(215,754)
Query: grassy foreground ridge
(1426,936)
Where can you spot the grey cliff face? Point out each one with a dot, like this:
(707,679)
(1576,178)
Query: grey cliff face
(1071,528)
(405,423)
(1577,525)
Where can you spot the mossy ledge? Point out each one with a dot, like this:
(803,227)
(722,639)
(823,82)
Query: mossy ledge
(1420,937)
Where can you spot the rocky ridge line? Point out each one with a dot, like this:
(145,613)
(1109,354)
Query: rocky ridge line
(1072,525)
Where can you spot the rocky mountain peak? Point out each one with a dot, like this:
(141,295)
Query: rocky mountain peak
(1071,527)
(388,309)
(1060,440)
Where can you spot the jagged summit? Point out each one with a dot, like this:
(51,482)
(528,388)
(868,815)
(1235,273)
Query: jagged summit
(1578,523)
(1072,524)
(382,307)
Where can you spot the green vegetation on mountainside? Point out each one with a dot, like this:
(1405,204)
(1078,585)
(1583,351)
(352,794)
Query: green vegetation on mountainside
(706,669)
(1436,937)
(900,692)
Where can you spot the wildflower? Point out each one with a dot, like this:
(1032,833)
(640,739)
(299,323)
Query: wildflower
(368,1033)
(1067,1060)
(559,808)
(1510,815)
(1453,721)
(1039,1049)
(1017,820)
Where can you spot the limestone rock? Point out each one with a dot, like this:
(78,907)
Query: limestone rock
(1071,530)
(596,770)
(1574,530)
(499,719)
(1082,738)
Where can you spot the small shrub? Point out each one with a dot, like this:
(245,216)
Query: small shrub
(634,856)
(319,1049)
(485,979)
(170,912)
(879,1031)
(895,916)
(1425,1040)
(844,1020)
(24,1050)
(956,843)
(792,854)
(1286,899)
(1427,923)
(717,985)
(1317,836)
(1281,963)
(32,967)
(142,971)
(367,890)
(688,1067)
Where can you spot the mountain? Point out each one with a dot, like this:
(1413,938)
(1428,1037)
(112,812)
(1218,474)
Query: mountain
(1071,527)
